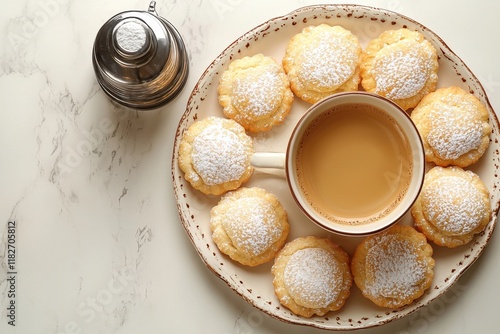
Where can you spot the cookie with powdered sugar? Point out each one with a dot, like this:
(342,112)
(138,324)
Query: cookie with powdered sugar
(312,276)
(255,92)
(400,65)
(454,126)
(453,206)
(249,225)
(322,60)
(214,154)
(393,268)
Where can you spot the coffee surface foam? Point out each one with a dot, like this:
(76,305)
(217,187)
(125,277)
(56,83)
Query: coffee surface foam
(354,164)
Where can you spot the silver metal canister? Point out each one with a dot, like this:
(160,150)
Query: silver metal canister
(140,59)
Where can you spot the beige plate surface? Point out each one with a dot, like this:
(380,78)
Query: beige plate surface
(255,284)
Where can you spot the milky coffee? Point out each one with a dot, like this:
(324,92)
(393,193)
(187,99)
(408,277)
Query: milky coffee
(354,164)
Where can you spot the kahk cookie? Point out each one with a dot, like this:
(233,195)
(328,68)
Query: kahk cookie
(249,225)
(312,276)
(453,206)
(454,127)
(400,65)
(394,267)
(255,92)
(214,155)
(322,60)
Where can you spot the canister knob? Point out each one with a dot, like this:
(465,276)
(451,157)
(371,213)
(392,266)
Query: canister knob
(132,38)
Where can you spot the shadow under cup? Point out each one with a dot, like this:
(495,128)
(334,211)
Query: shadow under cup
(355,163)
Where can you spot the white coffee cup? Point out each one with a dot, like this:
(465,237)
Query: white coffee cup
(320,200)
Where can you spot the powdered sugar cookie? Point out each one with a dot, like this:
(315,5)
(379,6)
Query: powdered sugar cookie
(250,225)
(322,60)
(255,92)
(454,126)
(312,276)
(214,155)
(394,267)
(400,65)
(453,206)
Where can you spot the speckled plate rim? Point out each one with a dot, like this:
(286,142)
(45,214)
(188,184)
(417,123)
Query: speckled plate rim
(221,266)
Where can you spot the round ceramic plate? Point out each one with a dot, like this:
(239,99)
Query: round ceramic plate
(255,284)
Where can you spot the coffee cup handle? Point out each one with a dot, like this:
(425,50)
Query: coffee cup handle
(269,162)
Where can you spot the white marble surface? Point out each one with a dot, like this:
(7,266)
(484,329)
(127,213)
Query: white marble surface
(99,245)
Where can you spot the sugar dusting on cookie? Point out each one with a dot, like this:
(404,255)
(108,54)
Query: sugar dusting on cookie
(401,74)
(454,131)
(394,268)
(259,92)
(218,155)
(453,205)
(329,62)
(313,278)
(252,225)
